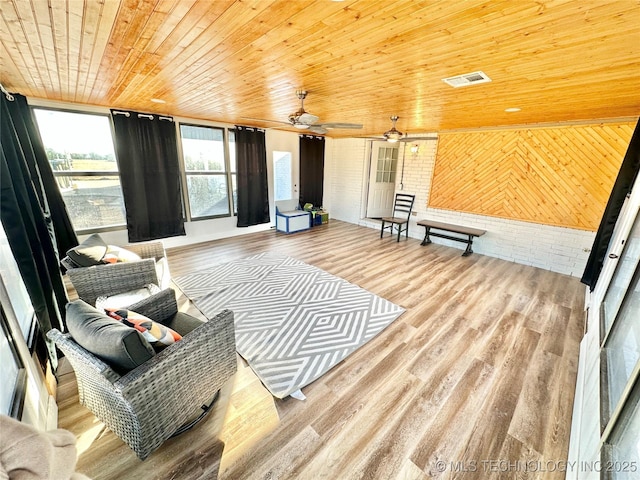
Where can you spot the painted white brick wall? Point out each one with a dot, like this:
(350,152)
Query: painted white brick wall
(345,178)
(559,249)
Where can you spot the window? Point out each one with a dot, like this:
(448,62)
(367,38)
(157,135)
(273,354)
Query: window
(620,363)
(209,170)
(622,348)
(282,176)
(387,164)
(233,169)
(15,299)
(622,277)
(16,290)
(12,374)
(621,452)
(621,327)
(80,150)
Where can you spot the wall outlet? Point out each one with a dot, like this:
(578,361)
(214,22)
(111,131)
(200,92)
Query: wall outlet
(414,214)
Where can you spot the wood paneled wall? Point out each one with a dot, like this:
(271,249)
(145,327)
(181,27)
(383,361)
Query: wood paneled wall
(555,176)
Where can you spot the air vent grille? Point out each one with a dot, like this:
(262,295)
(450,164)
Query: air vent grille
(467,79)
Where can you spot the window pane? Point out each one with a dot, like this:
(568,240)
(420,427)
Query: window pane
(81,145)
(12,280)
(8,373)
(232,151)
(203,148)
(93,201)
(77,141)
(622,276)
(623,345)
(234,184)
(208,195)
(624,444)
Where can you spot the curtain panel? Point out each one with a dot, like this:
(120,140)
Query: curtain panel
(311,169)
(251,165)
(33,215)
(621,188)
(147,154)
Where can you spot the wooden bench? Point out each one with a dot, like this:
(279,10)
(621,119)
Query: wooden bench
(448,227)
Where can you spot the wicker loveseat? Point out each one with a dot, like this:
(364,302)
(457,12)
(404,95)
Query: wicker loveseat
(148,404)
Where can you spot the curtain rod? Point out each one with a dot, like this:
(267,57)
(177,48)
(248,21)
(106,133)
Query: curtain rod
(253,129)
(142,115)
(10,97)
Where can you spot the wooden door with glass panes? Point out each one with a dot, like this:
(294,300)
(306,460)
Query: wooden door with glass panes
(382,179)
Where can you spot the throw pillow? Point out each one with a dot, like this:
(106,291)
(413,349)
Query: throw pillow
(89,252)
(118,254)
(125,299)
(158,335)
(123,348)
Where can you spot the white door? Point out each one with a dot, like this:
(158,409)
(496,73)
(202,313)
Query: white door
(382,179)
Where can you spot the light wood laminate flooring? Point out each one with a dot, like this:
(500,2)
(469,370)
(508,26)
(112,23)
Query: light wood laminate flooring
(475,380)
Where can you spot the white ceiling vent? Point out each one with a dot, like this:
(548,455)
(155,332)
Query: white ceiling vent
(467,79)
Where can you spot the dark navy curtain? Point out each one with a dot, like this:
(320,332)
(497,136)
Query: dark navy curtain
(311,169)
(621,188)
(147,153)
(33,216)
(253,188)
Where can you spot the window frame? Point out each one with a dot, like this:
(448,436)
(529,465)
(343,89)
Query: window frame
(20,386)
(86,173)
(227,174)
(615,413)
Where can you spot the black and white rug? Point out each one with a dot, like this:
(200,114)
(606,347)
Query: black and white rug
(293,321)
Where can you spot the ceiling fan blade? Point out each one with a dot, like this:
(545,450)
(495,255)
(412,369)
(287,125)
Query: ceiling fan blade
(317,129)
(416,139)
(307,119)
(264,120)
(352,126)
(402,140)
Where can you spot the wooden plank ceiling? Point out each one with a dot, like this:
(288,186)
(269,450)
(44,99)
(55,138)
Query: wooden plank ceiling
(361,60)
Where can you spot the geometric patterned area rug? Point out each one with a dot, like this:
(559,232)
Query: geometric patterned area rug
(293,321)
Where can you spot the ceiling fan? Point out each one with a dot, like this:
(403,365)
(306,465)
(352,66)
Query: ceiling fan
(393,135)
(305,121)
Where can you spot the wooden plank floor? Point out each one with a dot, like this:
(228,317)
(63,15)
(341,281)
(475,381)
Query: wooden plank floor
(477,375)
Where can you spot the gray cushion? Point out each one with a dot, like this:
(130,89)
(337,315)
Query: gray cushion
(89,252)
(183,323)
(122,347)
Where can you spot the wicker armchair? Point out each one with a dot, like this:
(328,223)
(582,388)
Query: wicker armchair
(111,279)
(150,403)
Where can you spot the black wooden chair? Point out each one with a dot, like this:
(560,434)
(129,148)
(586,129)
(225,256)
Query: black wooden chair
(402,208)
